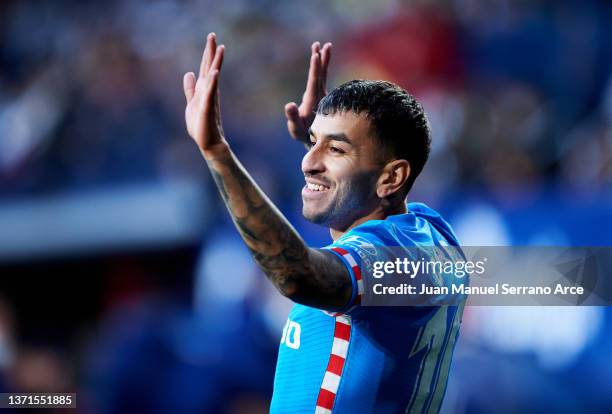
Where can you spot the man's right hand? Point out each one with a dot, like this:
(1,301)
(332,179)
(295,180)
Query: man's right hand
(299,118)
(202,114)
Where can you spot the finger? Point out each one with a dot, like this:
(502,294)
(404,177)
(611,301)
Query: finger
(315,47)
(313,80)
(208,55)
(326,52)
(189,82)
(325,58)
(291,112)
(294,122)
(218,60)
(212,80)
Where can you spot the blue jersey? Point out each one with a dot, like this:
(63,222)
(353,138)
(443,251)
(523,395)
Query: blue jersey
(370,359)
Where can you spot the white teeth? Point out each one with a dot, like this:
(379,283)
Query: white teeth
(316,187)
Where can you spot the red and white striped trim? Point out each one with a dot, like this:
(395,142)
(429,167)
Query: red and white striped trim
(335,366)
(355,267)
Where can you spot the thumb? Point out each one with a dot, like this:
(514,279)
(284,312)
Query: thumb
(291,111)
(189,82)
(294,122)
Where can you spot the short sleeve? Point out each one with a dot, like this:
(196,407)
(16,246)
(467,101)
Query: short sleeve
(358,250)
(352,263)
(366,248)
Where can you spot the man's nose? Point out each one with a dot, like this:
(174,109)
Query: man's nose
(313,163)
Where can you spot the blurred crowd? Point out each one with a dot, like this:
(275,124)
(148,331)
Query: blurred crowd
(519,97)
(518,93)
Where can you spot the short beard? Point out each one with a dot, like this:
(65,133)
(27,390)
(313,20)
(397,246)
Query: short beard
(354,201)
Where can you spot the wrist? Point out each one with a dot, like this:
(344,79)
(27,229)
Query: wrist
(220,150)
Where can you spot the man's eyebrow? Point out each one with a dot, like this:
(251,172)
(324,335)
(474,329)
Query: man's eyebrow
(333,137)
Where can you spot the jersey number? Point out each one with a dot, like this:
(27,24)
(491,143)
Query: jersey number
(291,334)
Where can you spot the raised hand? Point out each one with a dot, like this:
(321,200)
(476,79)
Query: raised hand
(299,118)
(202,114)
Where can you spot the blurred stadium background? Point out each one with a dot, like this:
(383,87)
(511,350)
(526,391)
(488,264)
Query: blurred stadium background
(121,276)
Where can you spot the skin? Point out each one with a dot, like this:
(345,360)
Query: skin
(342,155)
(358,179)
(299,118)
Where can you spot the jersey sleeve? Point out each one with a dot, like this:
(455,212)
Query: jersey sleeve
(352,262)
(366,246)
(358,250)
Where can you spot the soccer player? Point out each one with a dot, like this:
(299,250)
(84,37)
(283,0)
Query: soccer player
(367,143)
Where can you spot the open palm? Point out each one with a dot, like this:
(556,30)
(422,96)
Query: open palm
(202,114)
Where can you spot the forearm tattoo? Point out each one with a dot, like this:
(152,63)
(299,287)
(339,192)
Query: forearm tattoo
(305,275)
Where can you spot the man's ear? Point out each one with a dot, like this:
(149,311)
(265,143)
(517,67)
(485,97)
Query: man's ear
(393,177)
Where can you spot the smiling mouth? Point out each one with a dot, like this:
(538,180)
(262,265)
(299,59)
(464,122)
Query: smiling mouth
(316,187)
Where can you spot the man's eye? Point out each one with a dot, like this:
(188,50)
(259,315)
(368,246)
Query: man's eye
(311,143)
(337,150)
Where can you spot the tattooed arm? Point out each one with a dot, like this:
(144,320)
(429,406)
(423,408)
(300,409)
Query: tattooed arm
(309,276)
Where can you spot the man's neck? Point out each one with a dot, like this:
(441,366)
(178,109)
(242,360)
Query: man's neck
(378,214)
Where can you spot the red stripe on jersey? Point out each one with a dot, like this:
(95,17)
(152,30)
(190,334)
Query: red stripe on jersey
(339,250)
(336,364)
(326,399)
(357,272)
(342,331)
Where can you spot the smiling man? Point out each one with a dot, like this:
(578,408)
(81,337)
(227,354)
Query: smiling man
(367,142)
